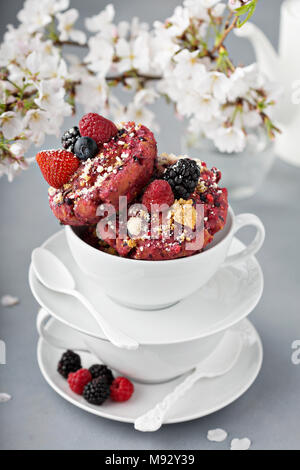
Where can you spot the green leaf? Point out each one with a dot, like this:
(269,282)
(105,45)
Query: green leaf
(247,10)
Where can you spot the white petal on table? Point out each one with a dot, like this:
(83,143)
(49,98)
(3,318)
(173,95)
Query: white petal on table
(9,300)
(216,435)
(240,444)
(4,397)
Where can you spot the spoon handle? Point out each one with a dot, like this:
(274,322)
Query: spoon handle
(115,336)
(153,419)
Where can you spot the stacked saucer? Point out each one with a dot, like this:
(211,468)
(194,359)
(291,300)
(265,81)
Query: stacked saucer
(174,335)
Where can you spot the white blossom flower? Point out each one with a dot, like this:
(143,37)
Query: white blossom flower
(242,79)
(65,26)
(102,22)
(145,96)
(230,139)
(193,102)
(10,125)
(163,47)
(100,56)
(209,3)
(4,397)
(218,10)
(18,149)
(137,27)
(51,98)
(57,5)
(76,69)
(16,44)
(217,435)
(234,4)
(134,54)
(207,107)
(5,89)
(188,65)
(141,52)
(38,123)
(240,444)
(51,66)
(199,8)
(93,93)
(34,15)
(220,105)
(215,83)
(9,300)
(178,22)
(11,169)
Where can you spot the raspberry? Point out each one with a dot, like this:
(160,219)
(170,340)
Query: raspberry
(97,127)
(79,379)
(158,192)
(121,389)
(57,166)
(210,198)
(100,370)
(96,391)
(69,362)
(183,177)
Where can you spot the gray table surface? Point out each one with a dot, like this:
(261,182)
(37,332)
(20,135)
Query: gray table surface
(269,414)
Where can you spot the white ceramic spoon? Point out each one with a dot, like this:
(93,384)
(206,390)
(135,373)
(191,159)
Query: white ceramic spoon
(55,276)
(219,362)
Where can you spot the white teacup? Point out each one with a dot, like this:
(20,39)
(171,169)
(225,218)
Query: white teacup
(152,285)
(150,363)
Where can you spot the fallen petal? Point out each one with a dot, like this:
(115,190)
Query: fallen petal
(216,435)
(240,444)
(9,300)
(4,397)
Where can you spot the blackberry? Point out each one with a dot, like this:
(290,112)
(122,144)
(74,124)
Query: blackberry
(70,138)
(100,370)
(183,177)
(96,391)
(69,362)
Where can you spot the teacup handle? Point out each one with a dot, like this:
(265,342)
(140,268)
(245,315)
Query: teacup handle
(60,343)
(243,220)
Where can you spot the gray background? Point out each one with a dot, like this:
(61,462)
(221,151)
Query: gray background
(37,418)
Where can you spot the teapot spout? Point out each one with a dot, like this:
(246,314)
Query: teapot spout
(266,56)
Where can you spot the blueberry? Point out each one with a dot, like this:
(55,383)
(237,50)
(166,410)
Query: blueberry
(85,148)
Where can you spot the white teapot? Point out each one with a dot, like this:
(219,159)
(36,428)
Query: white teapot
(283,68)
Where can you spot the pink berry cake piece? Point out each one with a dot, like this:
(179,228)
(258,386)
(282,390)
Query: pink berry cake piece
(122,167)
(206,191)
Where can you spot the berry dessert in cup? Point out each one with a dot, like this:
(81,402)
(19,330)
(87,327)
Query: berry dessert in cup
(117,197)
(100,163)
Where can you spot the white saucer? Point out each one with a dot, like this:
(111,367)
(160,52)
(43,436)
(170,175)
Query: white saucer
(227,298)
(207,396)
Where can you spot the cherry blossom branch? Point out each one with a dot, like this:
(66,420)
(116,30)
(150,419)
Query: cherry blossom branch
(132,74)
(69,43)
(38,89)
(224,35)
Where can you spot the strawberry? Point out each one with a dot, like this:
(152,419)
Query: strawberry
(97,127)
(57,166)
